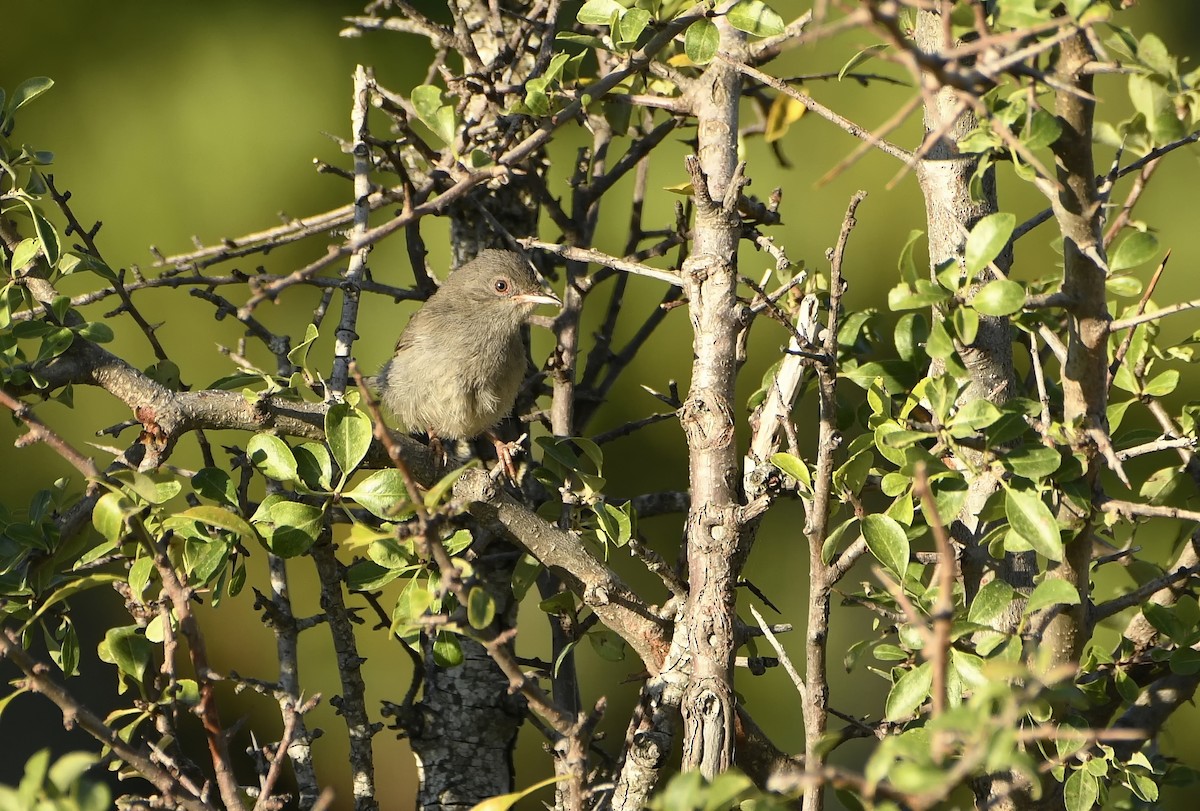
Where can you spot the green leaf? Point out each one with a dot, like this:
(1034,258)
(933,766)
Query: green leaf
(608,645)
(26,250)
(1136,249)
(999,298)
(139,575)
(911,333)
(96,332)
(1153,100)
(204,559)
(1123,286)
(907,263)
(525,574)
(558,603)
(447,652)
(348,432)
(898,376)
(109,514)
(366,575)
(272,457)
(1043,130)
(214,484)
(295,528)
(1034,463)
(834,539)
(481,608)
(51,246)
(1160,485)
(966,324)
(919,295)
(438,492)
(976,415)
(69,768)
(439,117)
(390,553)
(939,344)
(314,466)
(1080,791)
(299,353)
(991,602)
(633,23)
(909,693)
(457,542)
(1162,384)
(27,91)
(755,17)
(888,542)
(614,522)
(987,239)
(126,648)
(794,467)
(1032,520)
(1185,661)
(70,589)
(864,55)
(599,12)
(1051,591)
(214,516)
(701,40)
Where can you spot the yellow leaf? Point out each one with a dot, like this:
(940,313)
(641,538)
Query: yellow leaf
(504,802)
(679,188)
(784,112)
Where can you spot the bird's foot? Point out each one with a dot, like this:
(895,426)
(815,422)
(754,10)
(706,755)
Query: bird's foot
(441,457)
(504,453)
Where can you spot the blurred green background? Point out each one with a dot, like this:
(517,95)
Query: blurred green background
(174,122)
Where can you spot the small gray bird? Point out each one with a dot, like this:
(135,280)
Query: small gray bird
(460,361)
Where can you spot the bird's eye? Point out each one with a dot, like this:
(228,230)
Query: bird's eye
(500,285)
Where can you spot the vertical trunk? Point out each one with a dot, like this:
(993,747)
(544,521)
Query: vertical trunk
(945,177)
(1078,210)
(714,553)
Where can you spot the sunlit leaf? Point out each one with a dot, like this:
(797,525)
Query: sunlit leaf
(987,239)
(701,40)
(887,541)
(755,17)
(1032,520)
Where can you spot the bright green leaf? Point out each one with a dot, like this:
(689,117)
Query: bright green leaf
(909,693)
(348,432)
(888,542)
(1051,591)
(1032,520)
(755,17)
(272,457)
(481,608)
(599,12)
(1136,249)
(987,239)
(701,40)
(214,516)
(999,298)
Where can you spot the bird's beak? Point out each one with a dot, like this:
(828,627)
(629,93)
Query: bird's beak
(538,298)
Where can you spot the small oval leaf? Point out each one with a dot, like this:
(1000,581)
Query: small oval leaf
(701,40)
(987,240)
(888,542)
(1032,520)
(1136,249)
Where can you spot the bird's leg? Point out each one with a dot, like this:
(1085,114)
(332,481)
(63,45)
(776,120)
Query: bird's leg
(504,453)
(440,455)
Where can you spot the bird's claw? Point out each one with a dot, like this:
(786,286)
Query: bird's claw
(504,454)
